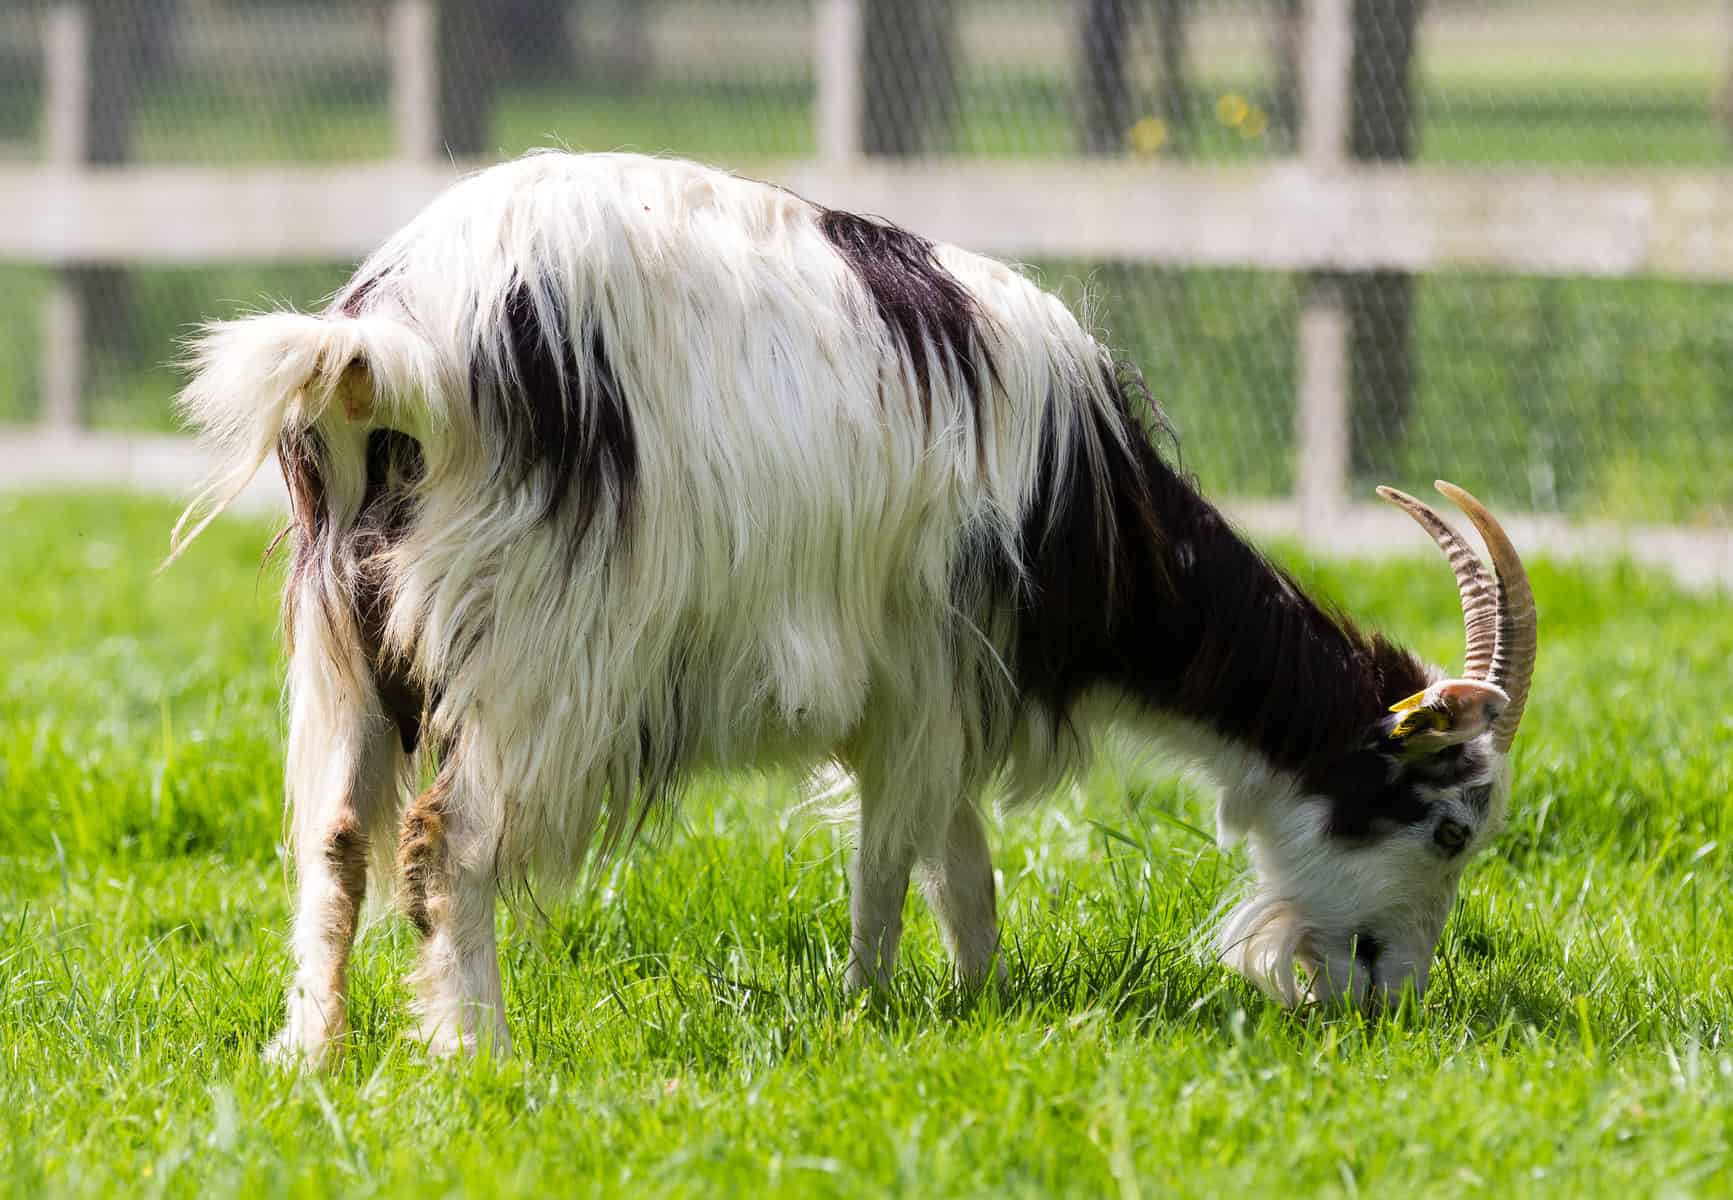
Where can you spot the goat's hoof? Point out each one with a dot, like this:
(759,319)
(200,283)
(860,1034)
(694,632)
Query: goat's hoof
(858,979)
(294,1051)
(445,1040)
(976,979)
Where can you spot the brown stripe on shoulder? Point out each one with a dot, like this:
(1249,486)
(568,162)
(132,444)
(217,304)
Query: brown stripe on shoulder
(921,303)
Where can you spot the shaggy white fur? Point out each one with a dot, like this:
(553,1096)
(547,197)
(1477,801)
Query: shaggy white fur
(683,494)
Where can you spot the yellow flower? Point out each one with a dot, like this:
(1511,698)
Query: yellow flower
(1232,108)
(1148,136)
(1255,125)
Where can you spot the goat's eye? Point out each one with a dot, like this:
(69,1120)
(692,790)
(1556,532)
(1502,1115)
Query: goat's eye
(1450,836)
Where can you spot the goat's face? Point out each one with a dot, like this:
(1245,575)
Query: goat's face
(1358,860)
(1355,880)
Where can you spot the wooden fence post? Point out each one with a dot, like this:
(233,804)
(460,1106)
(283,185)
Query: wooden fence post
(1321,470)
(837,65)
(1321,441)
(1104,88)
(445,64)
(96,54)
(1381,302)
(66,119)
(908,77)
(413,40)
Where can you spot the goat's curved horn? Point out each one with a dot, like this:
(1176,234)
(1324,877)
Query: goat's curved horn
(1474,584)
(1513,657)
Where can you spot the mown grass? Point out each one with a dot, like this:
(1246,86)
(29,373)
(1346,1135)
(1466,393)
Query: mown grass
(1538,107)
(679,1022)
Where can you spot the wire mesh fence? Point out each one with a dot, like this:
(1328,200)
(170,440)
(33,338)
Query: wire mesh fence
(1596,397)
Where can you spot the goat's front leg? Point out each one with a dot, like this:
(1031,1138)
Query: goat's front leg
(903,816)
(343,758)
(879,882)
(959,888)
(446,861)
(893,827)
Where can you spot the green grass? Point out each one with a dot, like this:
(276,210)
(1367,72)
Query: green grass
(1462,121)
(679,1024)
(1525,104)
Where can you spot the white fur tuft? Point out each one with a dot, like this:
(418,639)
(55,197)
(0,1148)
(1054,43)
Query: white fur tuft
(257,378)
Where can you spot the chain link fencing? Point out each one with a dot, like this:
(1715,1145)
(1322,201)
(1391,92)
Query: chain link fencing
(1591,397)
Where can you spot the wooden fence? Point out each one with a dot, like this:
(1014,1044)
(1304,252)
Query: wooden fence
(1315,211)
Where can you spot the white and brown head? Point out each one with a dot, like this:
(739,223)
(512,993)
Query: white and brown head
(1358,861)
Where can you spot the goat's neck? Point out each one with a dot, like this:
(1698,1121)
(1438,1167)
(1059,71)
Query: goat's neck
(1144,587)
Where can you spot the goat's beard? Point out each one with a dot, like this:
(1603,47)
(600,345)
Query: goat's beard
(1263,938)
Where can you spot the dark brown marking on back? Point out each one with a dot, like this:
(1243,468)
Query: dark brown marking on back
(563,424)
(923,305)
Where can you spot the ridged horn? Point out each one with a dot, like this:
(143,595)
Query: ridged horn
(1513,657)
(1474,585)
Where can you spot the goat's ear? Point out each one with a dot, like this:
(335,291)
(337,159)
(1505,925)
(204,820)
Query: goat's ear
(1445,714)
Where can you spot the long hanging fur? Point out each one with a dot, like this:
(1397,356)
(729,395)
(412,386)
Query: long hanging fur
(606,470)
(697,489)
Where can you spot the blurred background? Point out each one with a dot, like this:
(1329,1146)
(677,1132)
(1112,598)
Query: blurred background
(1347,240)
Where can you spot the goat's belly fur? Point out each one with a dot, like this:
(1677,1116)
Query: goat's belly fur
(650,469)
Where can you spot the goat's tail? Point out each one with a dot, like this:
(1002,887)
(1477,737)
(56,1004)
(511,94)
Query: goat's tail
(255,379)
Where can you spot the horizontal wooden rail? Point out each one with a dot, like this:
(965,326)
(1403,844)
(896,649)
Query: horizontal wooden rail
(1280,216)
(204,214)
(1285,217)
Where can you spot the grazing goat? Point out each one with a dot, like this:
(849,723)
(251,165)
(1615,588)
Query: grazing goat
(608,469)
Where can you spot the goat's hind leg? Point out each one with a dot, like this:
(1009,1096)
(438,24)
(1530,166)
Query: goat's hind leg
(343,761)
(446,861)
(958,884)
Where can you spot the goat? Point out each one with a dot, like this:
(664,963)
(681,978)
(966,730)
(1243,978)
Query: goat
(607,469)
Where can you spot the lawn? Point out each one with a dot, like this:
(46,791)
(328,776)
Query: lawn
(679,1023)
